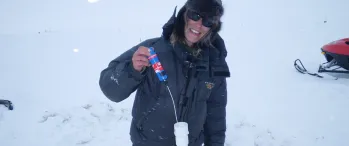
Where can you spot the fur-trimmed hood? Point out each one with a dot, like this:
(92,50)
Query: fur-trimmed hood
(219,49)
(207,7)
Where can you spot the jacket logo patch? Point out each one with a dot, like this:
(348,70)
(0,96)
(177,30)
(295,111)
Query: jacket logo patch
(209,85)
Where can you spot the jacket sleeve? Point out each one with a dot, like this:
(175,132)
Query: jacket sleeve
(215,126)
(119,80)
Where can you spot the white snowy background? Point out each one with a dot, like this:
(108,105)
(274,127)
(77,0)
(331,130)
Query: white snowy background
(52,52)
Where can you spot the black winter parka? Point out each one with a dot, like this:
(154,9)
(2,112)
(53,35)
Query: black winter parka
(198,86)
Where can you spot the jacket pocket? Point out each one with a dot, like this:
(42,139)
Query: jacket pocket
(158,125)
(155,121)
(147,100)
(143,115)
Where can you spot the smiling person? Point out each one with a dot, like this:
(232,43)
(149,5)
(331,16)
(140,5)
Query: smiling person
(192,53)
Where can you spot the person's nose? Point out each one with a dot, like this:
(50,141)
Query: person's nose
(198,23)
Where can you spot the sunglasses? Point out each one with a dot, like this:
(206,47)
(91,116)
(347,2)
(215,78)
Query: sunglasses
(206,21)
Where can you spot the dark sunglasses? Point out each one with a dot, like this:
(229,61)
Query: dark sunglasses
(206,21)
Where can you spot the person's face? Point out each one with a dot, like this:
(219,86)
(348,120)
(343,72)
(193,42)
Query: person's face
(196,27)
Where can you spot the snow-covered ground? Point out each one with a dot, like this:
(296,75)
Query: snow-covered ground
(51,54)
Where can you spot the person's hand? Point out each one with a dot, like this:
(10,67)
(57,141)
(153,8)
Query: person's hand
(140,58)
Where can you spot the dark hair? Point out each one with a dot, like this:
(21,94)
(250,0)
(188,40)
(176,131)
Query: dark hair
(212,8)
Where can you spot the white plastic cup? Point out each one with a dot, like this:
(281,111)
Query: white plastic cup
(181,132)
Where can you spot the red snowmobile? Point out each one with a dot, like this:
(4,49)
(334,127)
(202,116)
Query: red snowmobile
(336,54)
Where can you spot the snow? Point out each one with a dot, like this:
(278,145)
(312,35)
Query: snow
(51,54)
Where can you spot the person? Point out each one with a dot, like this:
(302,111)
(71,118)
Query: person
(192,54)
